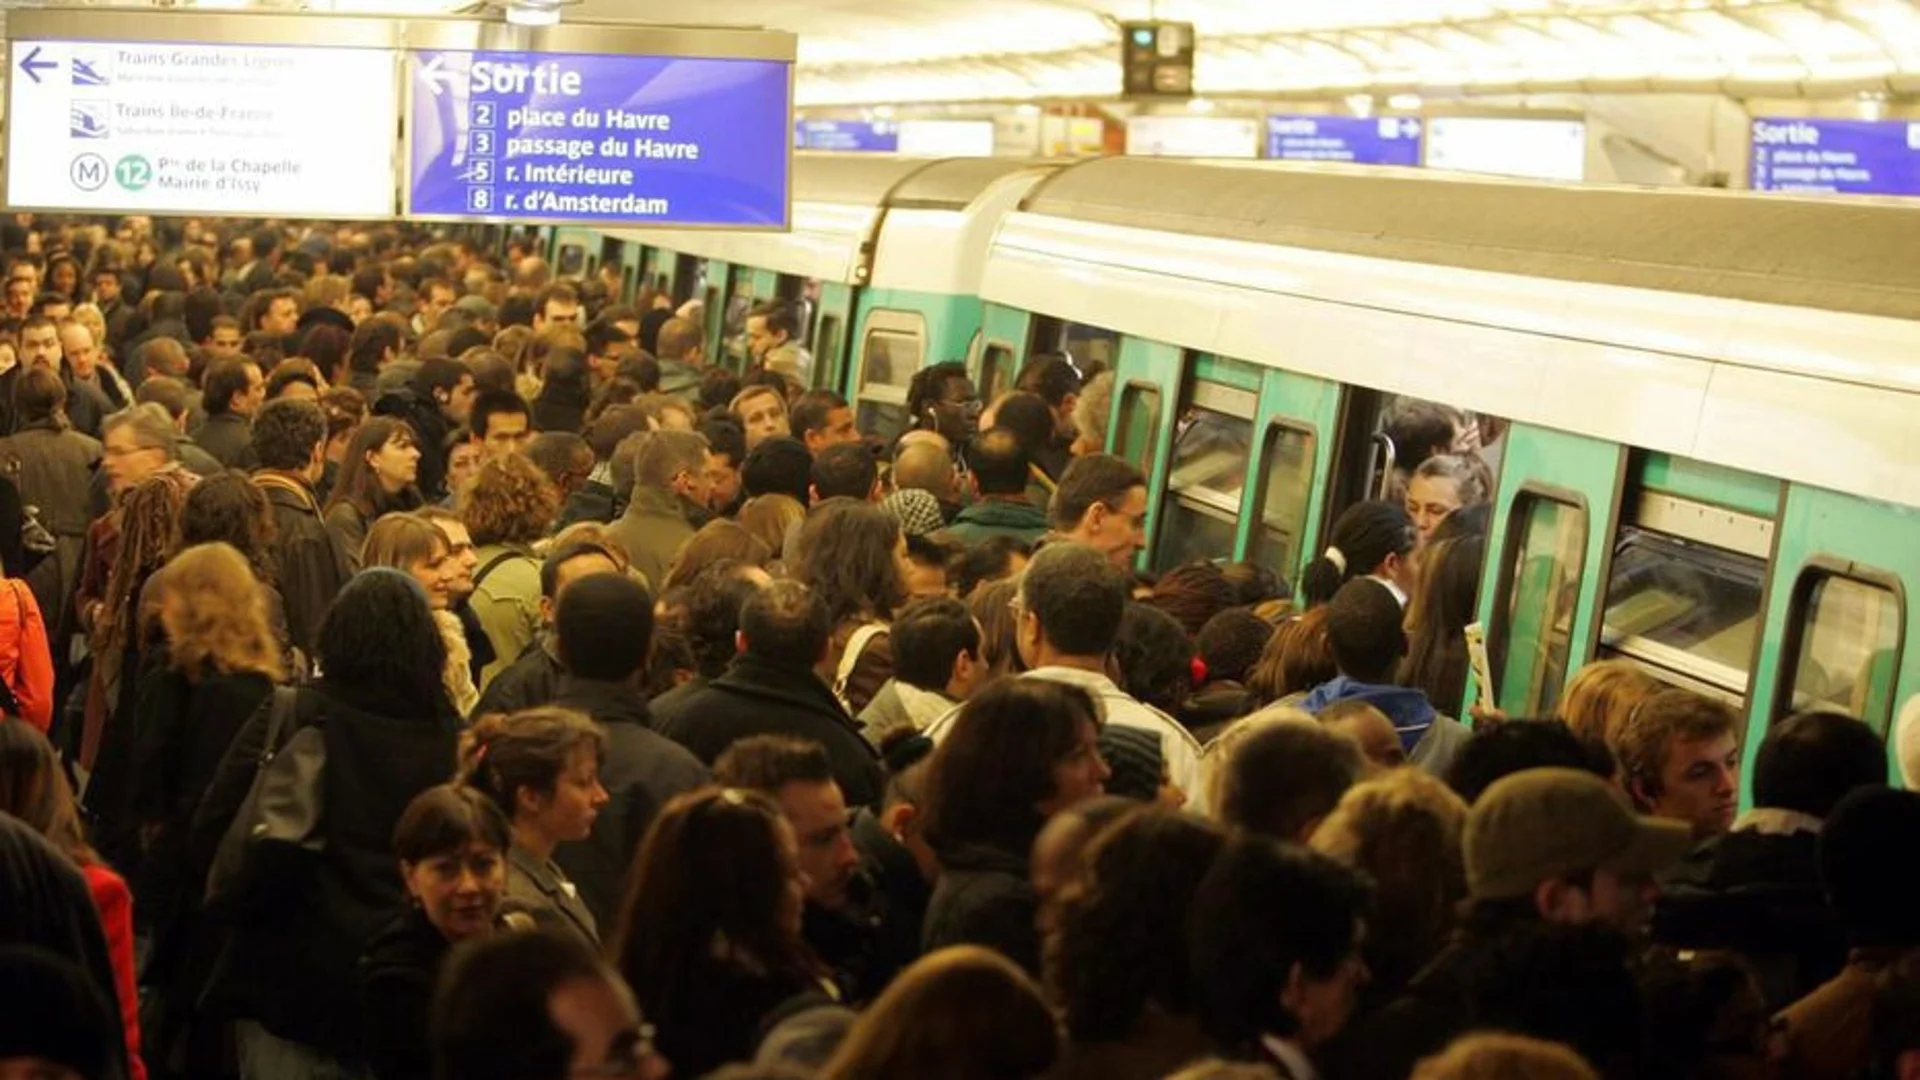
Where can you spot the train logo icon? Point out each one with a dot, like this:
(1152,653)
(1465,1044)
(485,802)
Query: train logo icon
(87,120)
(88,172)
(91,67)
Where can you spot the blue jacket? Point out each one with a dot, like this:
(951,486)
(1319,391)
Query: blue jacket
(1432,741)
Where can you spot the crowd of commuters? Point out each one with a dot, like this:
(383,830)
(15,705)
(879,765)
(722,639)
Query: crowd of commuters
(416,665)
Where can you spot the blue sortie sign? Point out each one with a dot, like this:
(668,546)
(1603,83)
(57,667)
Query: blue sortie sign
(1848,157)
(1382,140)
(875,136)
(579,137)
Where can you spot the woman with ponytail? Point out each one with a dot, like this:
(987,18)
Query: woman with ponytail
(541,767)
(1370,539)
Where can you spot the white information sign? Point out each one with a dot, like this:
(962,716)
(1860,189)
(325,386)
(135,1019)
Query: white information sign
(1509,146)
(245,130)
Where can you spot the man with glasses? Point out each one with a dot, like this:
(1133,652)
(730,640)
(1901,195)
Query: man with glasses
(1102,502)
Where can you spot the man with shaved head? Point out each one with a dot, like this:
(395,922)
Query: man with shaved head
(997,466)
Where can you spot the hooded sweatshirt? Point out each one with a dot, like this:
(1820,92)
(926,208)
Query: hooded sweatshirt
(1431,741)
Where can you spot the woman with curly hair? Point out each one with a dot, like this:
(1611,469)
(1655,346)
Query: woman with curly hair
(1116,959)
(377,476)
(123,628)
(509,508)
(854,556)
(223,659)
(388,728)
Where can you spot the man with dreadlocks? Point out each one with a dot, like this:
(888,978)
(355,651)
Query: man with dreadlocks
(149,513)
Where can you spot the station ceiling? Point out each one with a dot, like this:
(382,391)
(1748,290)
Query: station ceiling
(873,52)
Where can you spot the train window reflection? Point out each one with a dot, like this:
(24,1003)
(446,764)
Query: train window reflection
(894,348)
(1139,424)
(1204,486)
(1849,642)
(1549,549)
(1684,607)
(1286,491)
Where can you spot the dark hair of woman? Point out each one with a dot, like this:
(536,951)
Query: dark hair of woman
(961,1013)
(1436,661)
(230,508)
(1194,593)
(1119,944)
(34,789)
(846,558)
(987,777)
(1362,538)
(359,485)
(1298,657)
(500,754)
(711,888)
(443,820)
(1154,657)
(380,634)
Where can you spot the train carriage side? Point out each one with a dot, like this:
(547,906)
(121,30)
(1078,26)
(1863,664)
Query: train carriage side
(1696,405)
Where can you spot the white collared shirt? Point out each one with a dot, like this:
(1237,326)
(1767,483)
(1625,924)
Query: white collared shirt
(1392,587)
(1178,748)
(1290,1057)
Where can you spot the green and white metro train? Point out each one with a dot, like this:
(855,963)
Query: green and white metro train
(1713,464)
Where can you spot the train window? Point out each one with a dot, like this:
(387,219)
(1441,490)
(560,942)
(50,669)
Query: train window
(1204,487)
(1688,609)
(572,260)
(894,348)
(996,370)
(826,349)
(1548,541)
(1286,489)
(1092,348)
(1139,423)
(1384,437)
(1845,634)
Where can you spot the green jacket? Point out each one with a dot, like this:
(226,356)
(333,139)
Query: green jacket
(998,516)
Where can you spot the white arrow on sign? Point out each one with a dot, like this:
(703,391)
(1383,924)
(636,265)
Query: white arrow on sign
(437,77)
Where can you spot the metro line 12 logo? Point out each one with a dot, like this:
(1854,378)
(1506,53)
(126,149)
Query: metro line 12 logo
(133,172)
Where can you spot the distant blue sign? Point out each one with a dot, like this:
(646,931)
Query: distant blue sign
(580,137)
(872,136)
(1847,157)
(1381,140)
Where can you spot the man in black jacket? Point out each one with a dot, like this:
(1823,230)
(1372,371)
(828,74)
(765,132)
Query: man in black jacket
(604,629)
(771,689)
(1756,890)
(433,404)
(290,441)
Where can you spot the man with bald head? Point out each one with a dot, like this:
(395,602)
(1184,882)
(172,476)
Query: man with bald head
(926,466)
(997,466)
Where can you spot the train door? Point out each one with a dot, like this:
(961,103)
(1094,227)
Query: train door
(1002,332)
(619,275)
(719,284)
(1202,507)
(1294,427)
(1141,426)
(893,346)
(833,315)
(1558,498)
(1840,632)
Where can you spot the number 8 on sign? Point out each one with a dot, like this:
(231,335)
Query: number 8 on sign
(479,199)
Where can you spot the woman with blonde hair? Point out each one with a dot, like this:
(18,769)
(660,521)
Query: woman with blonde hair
(223,659)
(963,1013)
(1403,829)
(1601,696)
(1493,1056)
(769,517)
(509,507)
(415,545)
